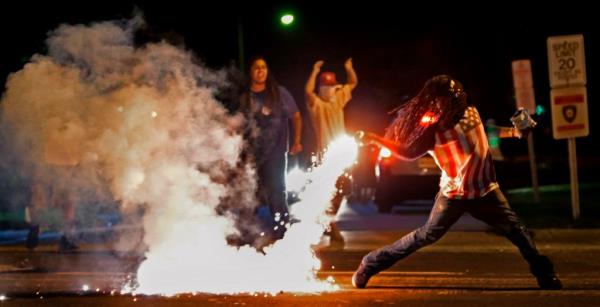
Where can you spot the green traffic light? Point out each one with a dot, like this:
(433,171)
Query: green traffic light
(494,142)
(287,19)
(539,109)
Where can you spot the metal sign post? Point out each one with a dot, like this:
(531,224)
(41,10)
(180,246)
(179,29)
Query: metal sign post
(523,83)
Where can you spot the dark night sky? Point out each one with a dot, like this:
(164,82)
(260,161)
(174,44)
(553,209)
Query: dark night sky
(395,47)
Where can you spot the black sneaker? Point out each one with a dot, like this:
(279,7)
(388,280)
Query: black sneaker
(65,245)
(549,282)
(361,277)
(33,237)
(543,270)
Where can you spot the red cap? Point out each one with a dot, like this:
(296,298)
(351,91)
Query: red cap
(327,78)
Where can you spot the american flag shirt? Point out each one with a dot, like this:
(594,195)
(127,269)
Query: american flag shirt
(463,155)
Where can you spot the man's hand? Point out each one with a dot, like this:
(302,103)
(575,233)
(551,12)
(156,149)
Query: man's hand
(317,66)
(296,148)
(352,80)
(348,64)
(359,136)
(364,138)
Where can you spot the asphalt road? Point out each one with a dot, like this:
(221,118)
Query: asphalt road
(465,268)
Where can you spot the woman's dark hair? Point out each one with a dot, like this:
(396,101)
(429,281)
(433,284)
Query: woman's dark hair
(407,126)
(272,99)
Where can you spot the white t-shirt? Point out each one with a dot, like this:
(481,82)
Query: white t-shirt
(328,116)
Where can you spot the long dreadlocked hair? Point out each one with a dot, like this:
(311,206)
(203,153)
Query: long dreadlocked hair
(272,99)
(408,126)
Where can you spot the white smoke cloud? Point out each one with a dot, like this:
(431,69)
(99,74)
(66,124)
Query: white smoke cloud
(142,121)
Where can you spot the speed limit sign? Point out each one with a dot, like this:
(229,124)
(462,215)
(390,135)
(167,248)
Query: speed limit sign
(566,61)
(566,58)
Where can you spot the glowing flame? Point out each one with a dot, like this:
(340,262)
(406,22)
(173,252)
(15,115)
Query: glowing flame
(385,153)
(296,180)
(196,257)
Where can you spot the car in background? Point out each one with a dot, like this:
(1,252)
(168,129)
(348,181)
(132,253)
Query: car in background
(389,181)
(401,181)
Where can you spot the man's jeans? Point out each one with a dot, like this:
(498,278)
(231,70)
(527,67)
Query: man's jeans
(492,209)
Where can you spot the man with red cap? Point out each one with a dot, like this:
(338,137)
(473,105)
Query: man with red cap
(327,107)
(327,114)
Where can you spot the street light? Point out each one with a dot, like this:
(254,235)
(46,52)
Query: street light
(287,19)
